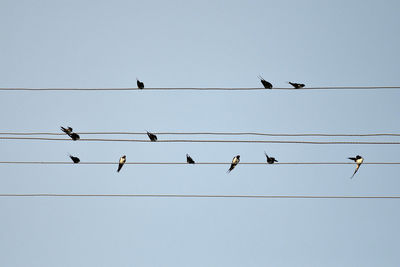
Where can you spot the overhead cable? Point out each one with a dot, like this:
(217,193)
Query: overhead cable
(205,141)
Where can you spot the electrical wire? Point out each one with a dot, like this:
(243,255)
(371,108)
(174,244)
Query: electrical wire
(185,163)
(205,88)
(207,141)
(197,196)
(211,133)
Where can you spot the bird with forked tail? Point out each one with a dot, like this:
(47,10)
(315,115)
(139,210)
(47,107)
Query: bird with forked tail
(267,85)
(235,161)
(75,159)
(297,85)
(189,159)
(139,84)
(358,160)
(122,161)
(152,137)
(270,160)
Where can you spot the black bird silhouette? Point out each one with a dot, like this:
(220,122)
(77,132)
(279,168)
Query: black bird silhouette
(140,84)
(74,136)
(75,159)
(358,160)
(270,160)
(67,130)
(189,159)
(71,134)
(122,161)
(152,137)
(297,85)
(267,85)
(235,161)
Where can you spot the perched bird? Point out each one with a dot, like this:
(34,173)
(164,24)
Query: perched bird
(358,160)
(140,84)
(75,159)
(71,134)
(152,137)
(122,161)
(189,159)
(66,130)
(297,85)
(270,160)
(266,84)
(74,136)
(235,161)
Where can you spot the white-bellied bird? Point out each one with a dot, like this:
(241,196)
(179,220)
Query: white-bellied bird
(358,160)
(235,161)
(122,161)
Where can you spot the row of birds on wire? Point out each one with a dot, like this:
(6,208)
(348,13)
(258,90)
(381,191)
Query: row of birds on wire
(235,161)
(266,84)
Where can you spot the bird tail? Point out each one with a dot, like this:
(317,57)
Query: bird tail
(355,171)
(230,168)
(119,167)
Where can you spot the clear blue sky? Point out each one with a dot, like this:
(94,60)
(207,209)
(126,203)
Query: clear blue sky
(198,44)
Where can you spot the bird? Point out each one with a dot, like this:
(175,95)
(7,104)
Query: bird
(358,160)
(235,161)
(270,160)
(297,85)
(122,161)
(267,85)
(189,159)
(140,84)
(152,137)
(74,136)
(70,133)
(75,159)
(67,130)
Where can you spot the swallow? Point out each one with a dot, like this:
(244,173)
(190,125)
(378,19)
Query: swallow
(358,160)
(152,137)
(297,85)
(140,84)
(266,84)
(270,160)
(235,161)
(67,130)
(189,159)
(75,159)
(122,161)
(74,136)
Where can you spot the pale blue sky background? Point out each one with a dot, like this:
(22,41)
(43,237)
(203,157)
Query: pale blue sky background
(198,44)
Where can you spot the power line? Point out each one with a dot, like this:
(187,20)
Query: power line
(197,163)
(197,196)
(207,141)
(211,133)
(204,88)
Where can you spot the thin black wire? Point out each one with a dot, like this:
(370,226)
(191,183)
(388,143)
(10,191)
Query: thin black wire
(197,163)
(207,141)
(197,196)
(204,89)
(210,133)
